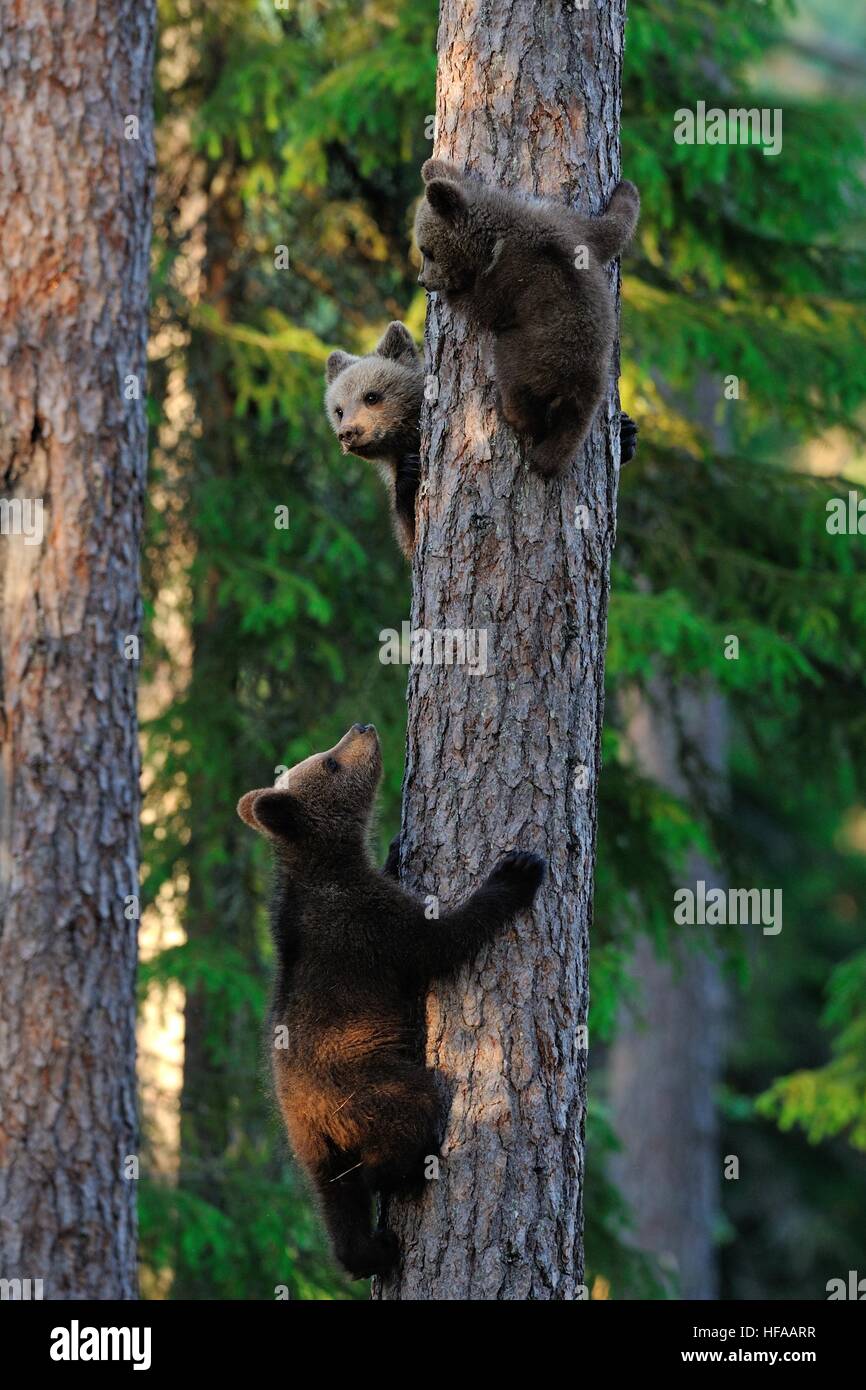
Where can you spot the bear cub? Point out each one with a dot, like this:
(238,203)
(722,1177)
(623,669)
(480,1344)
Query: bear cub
(354,951)
(510,264)
(373,404)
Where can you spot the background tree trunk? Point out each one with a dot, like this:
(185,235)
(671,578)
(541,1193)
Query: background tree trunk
(666,1062)
(529,96)
(75,203)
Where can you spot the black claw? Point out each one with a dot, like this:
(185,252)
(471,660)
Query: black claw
(523,871)
(391,867)
(627,438)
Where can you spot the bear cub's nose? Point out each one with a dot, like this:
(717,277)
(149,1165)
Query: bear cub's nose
(347,435)
(361,728)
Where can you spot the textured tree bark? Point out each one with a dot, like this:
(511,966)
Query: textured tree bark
(528,95)
(75,203)
(666,1063)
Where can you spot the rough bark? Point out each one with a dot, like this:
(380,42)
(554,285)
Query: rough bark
(528,95)
(75,198)
(666,1062)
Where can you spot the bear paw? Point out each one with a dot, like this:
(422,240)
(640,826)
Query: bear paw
(627,438)
(377,1256)
(521,872)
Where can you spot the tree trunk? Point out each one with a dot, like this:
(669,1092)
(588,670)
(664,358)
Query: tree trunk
(529,96)
(664,1068)
(665,1064)
(75,203)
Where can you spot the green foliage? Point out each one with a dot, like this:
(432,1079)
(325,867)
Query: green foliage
(796,1207)
(751,268)
(831,1100)
(263,638)
(264,1246)
(642,825)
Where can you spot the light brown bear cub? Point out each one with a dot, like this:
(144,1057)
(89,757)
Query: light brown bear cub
(511,266)
(354,951)
(373,404)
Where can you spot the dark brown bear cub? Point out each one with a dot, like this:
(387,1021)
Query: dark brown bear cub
(531,272)
(373,404)
(354,952)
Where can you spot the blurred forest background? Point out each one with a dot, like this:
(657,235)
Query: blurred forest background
(304,128)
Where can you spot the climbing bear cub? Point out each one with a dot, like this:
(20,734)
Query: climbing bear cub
(373,404)
(354,953)
(532,272)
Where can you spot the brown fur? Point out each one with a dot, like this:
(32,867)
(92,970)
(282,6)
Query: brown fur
(508,263)
(384,430)
(354,953)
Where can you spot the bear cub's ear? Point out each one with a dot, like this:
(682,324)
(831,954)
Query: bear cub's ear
(280,814)
(439,169)
(445,197)
(337,363)
(396,343)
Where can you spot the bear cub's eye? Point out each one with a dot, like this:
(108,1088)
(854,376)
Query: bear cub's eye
(426,254)
(372,398)
(339,412)
(331,764)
